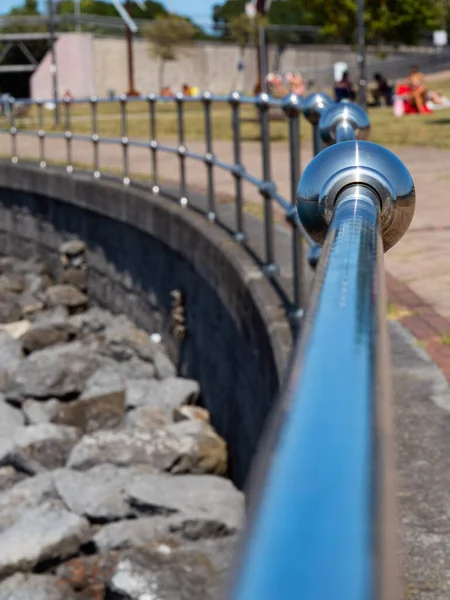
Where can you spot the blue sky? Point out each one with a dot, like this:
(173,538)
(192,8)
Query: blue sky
(198,9)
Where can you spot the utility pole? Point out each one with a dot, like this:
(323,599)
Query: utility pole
(77,11)
(361,56)
(130,56)
(54,64)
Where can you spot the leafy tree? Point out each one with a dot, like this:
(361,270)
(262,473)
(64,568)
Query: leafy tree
(243,30)
(166,34)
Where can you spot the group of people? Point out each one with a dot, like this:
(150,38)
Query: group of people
(412,92)
(186,89)
(279,85)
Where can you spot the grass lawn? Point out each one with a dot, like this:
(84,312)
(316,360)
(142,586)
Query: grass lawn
(417,130)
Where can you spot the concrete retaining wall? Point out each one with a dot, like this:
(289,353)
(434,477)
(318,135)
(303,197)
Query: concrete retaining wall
(140,248)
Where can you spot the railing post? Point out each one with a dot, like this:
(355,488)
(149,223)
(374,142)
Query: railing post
(209,157)
(179,98)
(68,135)
(124,139)
(41,133)
(235,102)
(13,132)
(95,136)
(153,142)
(292,107)
(267,186)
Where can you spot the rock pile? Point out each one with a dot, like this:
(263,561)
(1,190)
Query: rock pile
(112,480)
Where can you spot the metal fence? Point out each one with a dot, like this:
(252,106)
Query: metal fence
(321,522)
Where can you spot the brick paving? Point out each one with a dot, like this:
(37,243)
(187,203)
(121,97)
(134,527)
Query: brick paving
(418,267)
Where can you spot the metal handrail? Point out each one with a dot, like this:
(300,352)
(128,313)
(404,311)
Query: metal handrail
(321,521)
(323,508)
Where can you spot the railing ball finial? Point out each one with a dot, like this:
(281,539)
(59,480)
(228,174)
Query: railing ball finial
(344,114)
(291,105)
(347,164)
(314,105)
(234,98)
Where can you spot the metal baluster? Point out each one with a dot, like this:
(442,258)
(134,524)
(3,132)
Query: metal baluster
(292,108)
(13,132)
(153,142)
(267,187)
(95,136)
(181,149)
(209,157)
(41,133)
(235,101)
(124,139)
(313,106)
(68,134)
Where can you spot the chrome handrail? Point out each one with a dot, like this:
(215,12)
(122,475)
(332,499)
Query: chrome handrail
(323,505)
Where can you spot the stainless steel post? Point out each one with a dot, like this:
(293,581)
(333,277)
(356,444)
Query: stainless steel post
(181,149)
(238,168)
(361,56)
(95,137)
(124,138)
(209,157)
(54,62)
(153,142)
(68,135)
(267,186)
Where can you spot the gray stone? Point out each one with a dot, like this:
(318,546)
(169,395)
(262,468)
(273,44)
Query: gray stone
(36,411)
(93,413)
(45,532)
(11,419)
(204,501)
(91,321)
(76,277)
(163,571)
(10,309)
(186,447)
(106,379)
(29,304)
(221,552)
(55,372)
(72,248)
(10,357)
(27,586)
(12,282)
(26,494)
(56,316)
(43,336)
(66,295)
(147,417)
(131,533)
(135,368)
(31,265)
(166,395)
(36,284)
(97,494)
(9,477)
(164,367)
(122,340)
(46,444)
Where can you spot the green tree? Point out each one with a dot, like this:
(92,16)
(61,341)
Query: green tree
(166,34)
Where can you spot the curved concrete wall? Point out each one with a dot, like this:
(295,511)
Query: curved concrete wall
(140,248)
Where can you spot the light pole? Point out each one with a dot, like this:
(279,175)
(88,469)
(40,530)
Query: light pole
(361,57)
(54,64)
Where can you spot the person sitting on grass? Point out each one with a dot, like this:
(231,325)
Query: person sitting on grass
(383,90)
(418,92)
(344,89)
